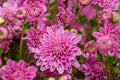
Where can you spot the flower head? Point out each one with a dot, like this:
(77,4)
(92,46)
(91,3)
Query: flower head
(17,71)
(58,51)
(107,4)
(105,15)
(108,38)
(89,15)
(65,16)
(35,9)
(93,69)
(34,37)
(90,47)
(3,33)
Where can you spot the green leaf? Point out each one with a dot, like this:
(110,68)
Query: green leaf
(99,56)
(110,60)
(53,5)
(1,51)
(82,19)
(79,32)
(93,23)
(26,26)
(45,78)
(119,8)
(116,70)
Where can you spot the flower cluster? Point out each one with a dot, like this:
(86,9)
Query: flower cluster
(17,71)
(59,39)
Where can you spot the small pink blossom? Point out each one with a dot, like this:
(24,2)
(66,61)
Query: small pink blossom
(17,71)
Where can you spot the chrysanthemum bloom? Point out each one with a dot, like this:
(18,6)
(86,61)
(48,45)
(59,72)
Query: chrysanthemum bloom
(34,36)
(65,16)
(7,11)
(58,51)
(84,2)
(17,71)
(107,4)
(21,13)
(4,39)
(3,33)
(35,10)
(66,77)
(4,45)
(88,11)
(90,49)
(105,15)
(93,69)
(108,37)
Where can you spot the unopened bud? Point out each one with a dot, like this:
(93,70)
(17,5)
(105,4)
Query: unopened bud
(73,30)
(115,17)
(51,78)
(2,20)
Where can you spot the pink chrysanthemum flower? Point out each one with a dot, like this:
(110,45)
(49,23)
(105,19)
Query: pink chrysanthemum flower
(3,33)
(84,2)
(7,11)
(108,37)
(107,4)
(65,16)
(17,71)
(103,39)
(58,51)
(90,49)
(35,10)
(4,45)
(93,69)
(88,11)
(105,15)
(21,13)
(34,36)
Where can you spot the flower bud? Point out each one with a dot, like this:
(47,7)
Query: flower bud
(2,20)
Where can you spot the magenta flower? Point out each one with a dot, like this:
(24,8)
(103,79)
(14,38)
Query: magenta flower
(93,69)
(58,51)
(3,33)
(7,11)
(21,13)
(90,50)
(17,71)
(65,16)
(108,38)
(88,11)
(4,45)
(35,10)
(34,36)
(105,15)
(107,4)
(84,2)
(103,39)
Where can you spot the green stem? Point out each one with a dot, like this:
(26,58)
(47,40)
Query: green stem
(21,42)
